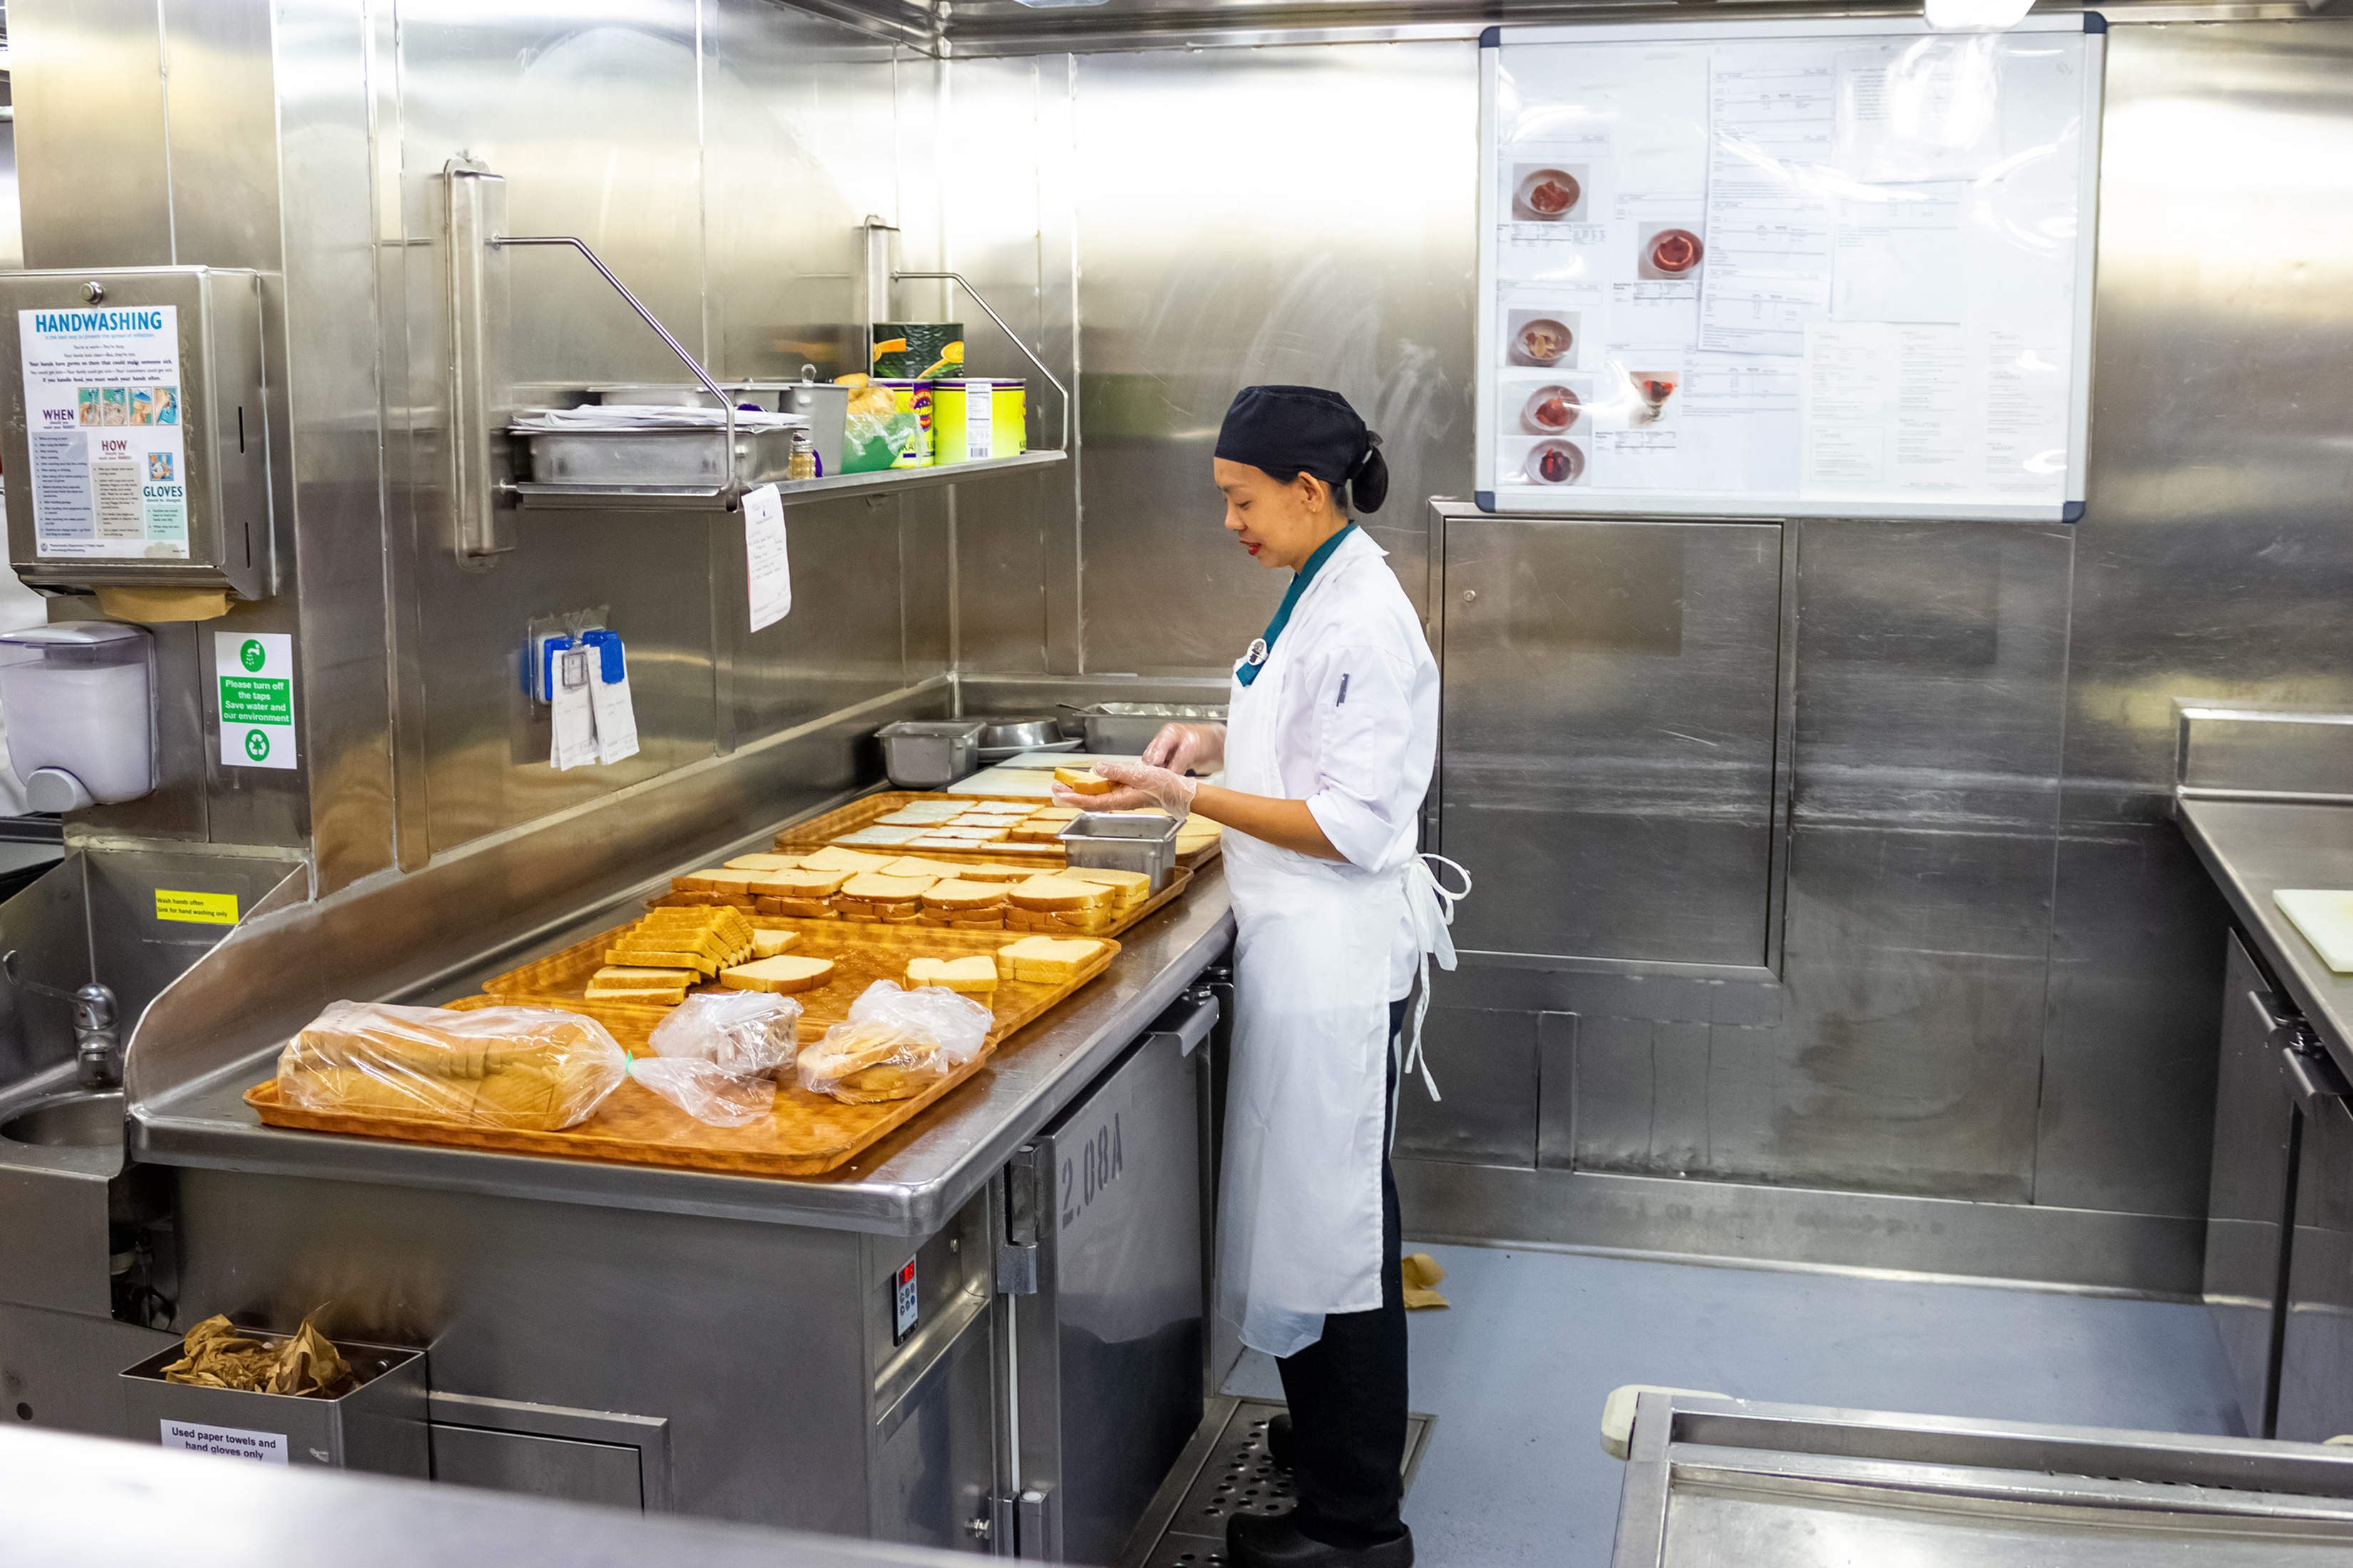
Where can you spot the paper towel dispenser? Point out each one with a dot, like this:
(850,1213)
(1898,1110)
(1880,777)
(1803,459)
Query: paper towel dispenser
(137,445)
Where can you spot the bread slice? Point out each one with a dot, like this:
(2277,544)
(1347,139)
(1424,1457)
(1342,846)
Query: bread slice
(1083,781)
(983,872)
(874,888)
(1133,886)
(1059,893)
(1045,960)
(958,894)
(769,944)
(764,862)
(833,857)
(974,976)
(881,838)
(799,909)
(1054,813)
(729,921)
(655,958)
(717,879)
(786,972)
(801,882)
(992,918)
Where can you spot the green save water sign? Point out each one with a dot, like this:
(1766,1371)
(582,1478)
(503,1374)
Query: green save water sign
(255,677)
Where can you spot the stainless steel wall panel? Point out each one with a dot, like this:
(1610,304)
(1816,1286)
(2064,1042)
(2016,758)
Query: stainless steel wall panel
(1556,1036)
(2091,1249)
(86,81)
(797,132)
(1486,1067)
(2129,1045)
(845,639)
(47,925)
(1014,537)
(328,454)
(1608,720)
(1195,281)
(2213,559)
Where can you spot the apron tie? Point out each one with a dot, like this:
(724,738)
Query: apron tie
(1432,906)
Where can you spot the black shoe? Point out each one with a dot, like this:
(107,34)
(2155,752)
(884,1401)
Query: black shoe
(1278,1440)
(1259,1540)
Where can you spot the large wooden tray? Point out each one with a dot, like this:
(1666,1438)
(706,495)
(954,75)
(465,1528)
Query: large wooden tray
(820,831)
(863,953)
(808,1134)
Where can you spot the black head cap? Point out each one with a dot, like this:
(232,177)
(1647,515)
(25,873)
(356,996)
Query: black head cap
(1294,430)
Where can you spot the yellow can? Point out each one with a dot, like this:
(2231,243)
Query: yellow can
(981,418)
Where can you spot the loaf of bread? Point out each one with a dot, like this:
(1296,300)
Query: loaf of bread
(529,1069)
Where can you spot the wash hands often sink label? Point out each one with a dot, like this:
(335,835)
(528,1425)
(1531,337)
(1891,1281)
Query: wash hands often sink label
(254,674)
(197,909)
(235,1442)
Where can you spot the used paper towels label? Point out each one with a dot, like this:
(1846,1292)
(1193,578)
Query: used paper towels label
(237,1443)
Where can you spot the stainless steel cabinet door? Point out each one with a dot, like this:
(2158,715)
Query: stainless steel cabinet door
(1111,1345)
(2246,1210)
(1607,769)
(2315,1378)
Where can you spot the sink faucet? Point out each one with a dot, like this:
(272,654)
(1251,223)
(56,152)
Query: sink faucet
(98,1044)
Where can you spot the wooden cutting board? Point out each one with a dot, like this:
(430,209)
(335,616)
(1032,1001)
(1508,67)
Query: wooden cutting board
(2324,916)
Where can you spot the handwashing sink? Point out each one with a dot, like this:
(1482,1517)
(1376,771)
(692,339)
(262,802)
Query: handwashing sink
(78,1120)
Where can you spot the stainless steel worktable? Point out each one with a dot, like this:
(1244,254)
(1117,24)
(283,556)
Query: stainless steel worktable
(908,1185)
(2251,848)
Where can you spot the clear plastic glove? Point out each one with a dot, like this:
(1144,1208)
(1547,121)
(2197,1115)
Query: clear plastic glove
(1188,748)
(1139,787)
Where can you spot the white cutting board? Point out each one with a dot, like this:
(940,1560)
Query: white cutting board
(2324,916)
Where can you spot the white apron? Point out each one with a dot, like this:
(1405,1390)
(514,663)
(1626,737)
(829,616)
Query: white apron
(1299,1227)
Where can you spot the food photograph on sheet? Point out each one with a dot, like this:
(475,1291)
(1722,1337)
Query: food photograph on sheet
(1838,273)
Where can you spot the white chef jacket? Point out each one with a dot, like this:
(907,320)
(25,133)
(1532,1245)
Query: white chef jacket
(1356,726)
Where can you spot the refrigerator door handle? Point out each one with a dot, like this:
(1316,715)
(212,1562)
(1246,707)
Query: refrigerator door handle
(1194,1027)
(2311,1076)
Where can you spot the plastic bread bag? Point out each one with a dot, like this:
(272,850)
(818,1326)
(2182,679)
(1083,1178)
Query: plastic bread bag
(707,1091)
(896,1043)
(738,1031)
(531,1068)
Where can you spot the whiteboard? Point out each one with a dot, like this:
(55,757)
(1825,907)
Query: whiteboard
(1833,268)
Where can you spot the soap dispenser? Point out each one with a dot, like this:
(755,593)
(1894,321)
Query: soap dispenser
(79,699)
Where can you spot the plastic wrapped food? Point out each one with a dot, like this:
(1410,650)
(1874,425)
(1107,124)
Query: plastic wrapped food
(529,1068)
(896,1043)
(707,1091)
(737,1031)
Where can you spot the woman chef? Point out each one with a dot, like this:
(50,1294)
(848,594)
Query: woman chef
(1332,730)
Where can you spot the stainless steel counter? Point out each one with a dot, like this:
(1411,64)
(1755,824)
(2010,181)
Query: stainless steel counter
(909,1184)
(88,1502)
(2251,848)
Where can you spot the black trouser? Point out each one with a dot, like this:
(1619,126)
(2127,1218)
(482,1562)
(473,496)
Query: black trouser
(1347,1394)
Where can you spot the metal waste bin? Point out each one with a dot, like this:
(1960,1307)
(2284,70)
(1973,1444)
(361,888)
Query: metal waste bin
(379,1425)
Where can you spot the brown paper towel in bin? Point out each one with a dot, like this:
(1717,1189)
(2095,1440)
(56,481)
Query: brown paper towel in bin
(152,604)
(214,1355)
(1421,1274)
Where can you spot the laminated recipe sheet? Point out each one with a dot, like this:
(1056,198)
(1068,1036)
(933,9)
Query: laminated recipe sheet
(1794,267)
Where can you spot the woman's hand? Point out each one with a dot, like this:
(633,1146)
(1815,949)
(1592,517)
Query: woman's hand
(1188,748)
(1139,787)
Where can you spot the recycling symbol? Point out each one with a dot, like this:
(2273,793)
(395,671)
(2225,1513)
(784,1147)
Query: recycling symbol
(257,746)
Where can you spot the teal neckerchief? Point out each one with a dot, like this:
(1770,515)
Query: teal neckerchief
(1255,659)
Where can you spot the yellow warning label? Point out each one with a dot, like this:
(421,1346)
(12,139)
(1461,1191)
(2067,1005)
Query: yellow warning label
(202,909)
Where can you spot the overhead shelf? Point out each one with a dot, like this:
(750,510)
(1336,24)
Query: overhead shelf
(707,498)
